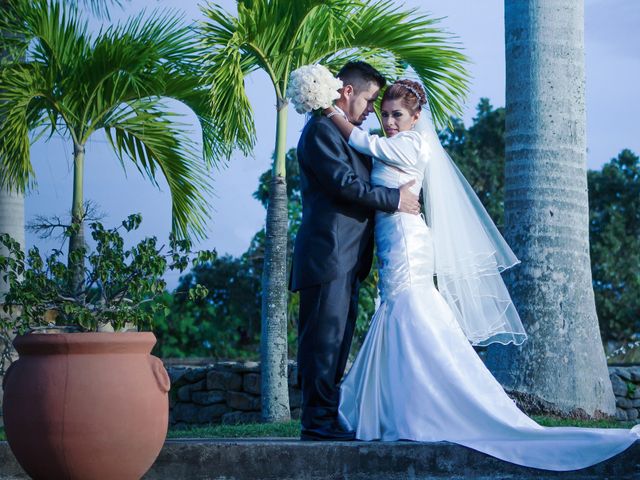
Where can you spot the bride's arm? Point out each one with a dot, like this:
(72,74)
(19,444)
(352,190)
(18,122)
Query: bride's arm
(399,150)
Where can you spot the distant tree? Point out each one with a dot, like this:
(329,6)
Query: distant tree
(479,153)
(614,227)
(225,324)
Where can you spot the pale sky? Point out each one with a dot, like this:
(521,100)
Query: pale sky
(613,69)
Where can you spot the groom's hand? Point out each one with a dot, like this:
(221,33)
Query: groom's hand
(408,200)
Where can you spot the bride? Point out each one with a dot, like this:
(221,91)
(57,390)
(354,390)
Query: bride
(417,376)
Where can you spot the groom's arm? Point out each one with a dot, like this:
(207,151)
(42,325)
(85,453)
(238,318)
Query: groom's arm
(329,162)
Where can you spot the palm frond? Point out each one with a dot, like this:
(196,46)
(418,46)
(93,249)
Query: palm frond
(146,133)
(227,66)
(119,80)
(131,61)
(100,8)
(279,36)
(23,109)
(410,39)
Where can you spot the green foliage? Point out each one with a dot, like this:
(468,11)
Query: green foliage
(58,79)
(550,421)
(614,215)
(119,289)
(479,153)
(224,323)
(278,36)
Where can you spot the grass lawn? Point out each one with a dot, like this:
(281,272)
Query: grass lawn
(285,429)
(292,428)
(569,422)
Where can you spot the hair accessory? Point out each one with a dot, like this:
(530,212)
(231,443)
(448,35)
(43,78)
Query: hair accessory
(412,90)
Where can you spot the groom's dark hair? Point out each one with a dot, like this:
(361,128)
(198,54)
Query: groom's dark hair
(359,75)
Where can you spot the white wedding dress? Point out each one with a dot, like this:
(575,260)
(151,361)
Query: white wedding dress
(417,377)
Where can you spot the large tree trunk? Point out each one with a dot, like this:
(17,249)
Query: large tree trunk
(273,340)
(561,368)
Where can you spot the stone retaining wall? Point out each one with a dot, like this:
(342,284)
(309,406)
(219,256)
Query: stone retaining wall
(229,393)
(223,392)
(626,388)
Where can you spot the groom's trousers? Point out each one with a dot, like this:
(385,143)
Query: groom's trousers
(326,324)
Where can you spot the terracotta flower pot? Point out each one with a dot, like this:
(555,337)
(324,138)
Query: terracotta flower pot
(86,406)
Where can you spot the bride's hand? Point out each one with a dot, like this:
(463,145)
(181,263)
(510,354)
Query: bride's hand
(408,200)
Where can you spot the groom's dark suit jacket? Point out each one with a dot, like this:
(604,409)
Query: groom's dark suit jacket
(338,207)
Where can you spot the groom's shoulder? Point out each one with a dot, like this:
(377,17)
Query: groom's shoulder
(320,125)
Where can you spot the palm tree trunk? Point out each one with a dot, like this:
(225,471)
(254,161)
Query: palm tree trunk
(76,240)
(11,222)
(561,368)
(273,341)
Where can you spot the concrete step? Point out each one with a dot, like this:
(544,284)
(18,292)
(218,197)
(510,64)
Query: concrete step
(290,459)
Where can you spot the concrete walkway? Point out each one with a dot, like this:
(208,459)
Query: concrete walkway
(290,459)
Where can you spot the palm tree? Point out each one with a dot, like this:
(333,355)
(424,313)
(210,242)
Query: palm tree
(11,199)
(278,36)
(119,82)
(561,368)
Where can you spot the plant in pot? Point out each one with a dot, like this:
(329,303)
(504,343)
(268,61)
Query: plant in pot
(82,402)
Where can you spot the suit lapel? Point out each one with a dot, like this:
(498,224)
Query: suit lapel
(356,156)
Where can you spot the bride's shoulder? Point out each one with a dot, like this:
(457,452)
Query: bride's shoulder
(413,137)
(412,134)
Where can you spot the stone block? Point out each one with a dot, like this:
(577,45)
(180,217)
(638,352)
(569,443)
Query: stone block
(185,412)
(619,386)
(243,401)
(295,398)
(251,383)
(212,413)
(623,402)
(236,418)
(621,415)
(635,403)
(621,372)
(185,391)
(176,375)
(221,380)
(635,373)
(239,367)
(246,367)
(190,413)
(193,375)
(632,413)
(208,397)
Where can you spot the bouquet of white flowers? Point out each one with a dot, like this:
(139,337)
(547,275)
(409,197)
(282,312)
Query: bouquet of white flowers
(312,87)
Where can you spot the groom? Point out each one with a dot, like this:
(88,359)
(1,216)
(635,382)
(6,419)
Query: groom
(334,247)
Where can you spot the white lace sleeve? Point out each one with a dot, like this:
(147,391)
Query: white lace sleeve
(400,150)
